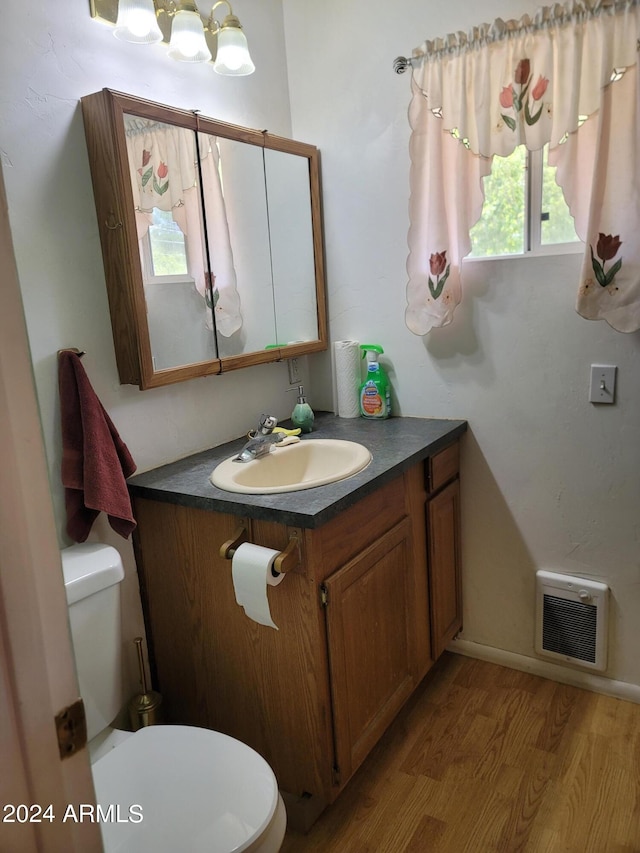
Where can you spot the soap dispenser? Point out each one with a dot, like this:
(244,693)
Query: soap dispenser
(302,415)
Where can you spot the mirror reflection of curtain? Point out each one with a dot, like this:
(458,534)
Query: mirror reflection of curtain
(164,174)
(243,182)
(567,77)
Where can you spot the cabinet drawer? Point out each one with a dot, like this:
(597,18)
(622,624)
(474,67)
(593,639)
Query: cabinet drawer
(356,528)
(442,467)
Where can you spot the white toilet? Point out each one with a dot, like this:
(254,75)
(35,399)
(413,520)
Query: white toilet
(162,788)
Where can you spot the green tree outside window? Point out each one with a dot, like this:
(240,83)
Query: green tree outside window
(502,228)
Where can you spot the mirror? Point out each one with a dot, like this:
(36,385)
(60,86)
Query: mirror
(243,204)
(211,238)
(291,234)
(169,224)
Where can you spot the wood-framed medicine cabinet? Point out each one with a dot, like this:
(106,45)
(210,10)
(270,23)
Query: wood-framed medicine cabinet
(211,240)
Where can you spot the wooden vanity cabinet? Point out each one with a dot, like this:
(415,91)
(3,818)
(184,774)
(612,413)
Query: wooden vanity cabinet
(443,536)
(353,638)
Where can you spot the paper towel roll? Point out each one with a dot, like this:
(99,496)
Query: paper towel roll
(347,361)
(251,570)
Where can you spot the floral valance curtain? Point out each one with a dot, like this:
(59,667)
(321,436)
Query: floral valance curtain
(164,174)
(567,77)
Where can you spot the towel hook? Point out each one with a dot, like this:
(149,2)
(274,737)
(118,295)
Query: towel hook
(78,352)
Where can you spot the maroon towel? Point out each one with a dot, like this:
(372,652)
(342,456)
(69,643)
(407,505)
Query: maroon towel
(95,460)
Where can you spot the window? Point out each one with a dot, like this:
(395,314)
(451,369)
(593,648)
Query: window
(165,252)
(524,210)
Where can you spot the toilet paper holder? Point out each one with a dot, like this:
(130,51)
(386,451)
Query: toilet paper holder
(286,561)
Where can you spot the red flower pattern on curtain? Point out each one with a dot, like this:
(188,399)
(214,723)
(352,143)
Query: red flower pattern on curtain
(515,95)
(457,130)
(438,265)
(159,175)
(606,249)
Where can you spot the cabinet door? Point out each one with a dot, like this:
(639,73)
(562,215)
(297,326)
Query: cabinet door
(371,635)
(187,209)
(443,525)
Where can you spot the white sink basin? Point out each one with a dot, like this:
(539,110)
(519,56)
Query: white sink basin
(308,463)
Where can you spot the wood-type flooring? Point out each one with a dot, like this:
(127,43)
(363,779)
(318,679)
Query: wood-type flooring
(485,759)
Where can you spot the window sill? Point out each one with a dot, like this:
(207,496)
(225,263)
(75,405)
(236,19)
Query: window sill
(168,279)
(542,252)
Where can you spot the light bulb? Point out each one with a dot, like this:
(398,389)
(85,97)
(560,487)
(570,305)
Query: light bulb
(233,56)
(188,43)
(137,22)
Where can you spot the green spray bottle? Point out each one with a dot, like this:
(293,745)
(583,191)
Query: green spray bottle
(375,393)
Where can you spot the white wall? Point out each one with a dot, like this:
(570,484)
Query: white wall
(550,481)
(51,55)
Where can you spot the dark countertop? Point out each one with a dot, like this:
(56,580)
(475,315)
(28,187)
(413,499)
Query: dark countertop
(396,445)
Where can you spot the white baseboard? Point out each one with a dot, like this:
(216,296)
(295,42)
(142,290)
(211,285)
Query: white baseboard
(546,669)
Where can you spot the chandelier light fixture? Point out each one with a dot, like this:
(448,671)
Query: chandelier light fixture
(180,23)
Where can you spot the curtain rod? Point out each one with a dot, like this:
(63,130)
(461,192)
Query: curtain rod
(545,17)
(401,63)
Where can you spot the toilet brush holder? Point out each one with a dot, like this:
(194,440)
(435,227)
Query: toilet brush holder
(144,709)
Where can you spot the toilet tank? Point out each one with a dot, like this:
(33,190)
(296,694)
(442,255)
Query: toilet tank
(92,575)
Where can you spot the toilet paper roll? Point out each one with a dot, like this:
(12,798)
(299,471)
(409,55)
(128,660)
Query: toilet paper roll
(252,572)
(347,362)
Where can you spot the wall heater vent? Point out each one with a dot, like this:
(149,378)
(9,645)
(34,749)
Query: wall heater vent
(572,620)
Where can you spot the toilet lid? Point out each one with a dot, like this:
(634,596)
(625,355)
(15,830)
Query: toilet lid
(170,788)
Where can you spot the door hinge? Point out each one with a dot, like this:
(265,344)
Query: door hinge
(71,728)
(335,775)
(324,595)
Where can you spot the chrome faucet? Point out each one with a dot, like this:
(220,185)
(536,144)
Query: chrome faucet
(261,441)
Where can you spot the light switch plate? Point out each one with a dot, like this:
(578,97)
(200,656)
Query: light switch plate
(603,383)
